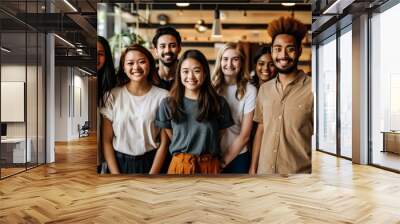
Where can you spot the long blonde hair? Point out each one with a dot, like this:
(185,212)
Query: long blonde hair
(242,78)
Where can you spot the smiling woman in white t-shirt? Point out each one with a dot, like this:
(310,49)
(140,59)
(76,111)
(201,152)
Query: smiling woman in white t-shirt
(230,79)
(130,137)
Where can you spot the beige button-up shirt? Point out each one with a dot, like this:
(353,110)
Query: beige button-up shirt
(287,116)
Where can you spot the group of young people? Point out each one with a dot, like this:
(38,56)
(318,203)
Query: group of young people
(178,117)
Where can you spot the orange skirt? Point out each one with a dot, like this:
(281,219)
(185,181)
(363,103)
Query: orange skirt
(184,163)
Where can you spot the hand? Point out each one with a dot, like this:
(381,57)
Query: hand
(252,171)
(222,165)
(152,172)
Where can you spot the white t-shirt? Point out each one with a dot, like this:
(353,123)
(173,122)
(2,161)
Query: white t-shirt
(238,110)
(133,118)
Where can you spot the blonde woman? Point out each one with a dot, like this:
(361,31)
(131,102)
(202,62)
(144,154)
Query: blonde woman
(231,80)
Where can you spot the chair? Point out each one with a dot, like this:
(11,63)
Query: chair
(84,129)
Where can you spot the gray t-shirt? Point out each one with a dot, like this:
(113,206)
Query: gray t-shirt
(189,135)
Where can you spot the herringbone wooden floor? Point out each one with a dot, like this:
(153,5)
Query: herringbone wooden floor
(70,191)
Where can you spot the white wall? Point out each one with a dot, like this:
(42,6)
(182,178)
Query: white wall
(61,103)
(70,84)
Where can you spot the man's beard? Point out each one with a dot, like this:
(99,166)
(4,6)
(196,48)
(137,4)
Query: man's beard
(172,62)
(290,69)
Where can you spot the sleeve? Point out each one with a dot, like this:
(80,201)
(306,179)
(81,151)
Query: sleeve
(108,109)
(226,119)
(258,114)
(250,100)
(163,115)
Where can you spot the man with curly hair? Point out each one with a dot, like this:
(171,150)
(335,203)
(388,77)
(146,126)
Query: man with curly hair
(284,107)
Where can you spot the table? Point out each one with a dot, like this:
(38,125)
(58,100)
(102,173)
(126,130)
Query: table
(391,141)
(13,150)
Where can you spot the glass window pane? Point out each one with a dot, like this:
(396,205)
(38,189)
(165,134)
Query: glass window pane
(346,94)
(41,99)
(327,96)
(31,97)
(14,153)
(385,84)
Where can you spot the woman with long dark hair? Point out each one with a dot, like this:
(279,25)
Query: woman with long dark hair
(106,80)
(131,140)
(194,116)
(264,67)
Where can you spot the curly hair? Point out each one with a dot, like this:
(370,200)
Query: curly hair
(242,78)
(287,25)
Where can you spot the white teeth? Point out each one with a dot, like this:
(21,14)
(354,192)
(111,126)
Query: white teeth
(284,62)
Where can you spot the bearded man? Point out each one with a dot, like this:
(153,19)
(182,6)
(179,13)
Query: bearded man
(284,107)
(167,45)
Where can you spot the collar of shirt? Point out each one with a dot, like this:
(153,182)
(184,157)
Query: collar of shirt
(162,78)
(300,78)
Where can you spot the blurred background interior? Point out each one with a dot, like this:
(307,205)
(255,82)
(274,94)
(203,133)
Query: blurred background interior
(202,26)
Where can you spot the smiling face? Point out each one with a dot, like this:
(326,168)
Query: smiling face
(265,68)
(231,63)
(192,74)
(167,49)
(136,66)
(285,53)
(101,56)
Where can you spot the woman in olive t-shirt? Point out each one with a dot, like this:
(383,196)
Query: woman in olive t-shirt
(193,117)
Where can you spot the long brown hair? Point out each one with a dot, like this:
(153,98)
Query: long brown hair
(208,100)
(122,78)
(242,78)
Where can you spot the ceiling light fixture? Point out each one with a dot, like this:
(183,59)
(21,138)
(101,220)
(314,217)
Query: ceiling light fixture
(65,41)
(337,7)
(288,4)
(162,19)
(70,5)
(217,26)
(5,49)
(201,26)
(79,51)
(84,71)
(183,4)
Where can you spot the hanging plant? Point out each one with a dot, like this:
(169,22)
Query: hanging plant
(120,41)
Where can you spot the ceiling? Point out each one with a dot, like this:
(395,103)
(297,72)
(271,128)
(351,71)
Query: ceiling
(329,16)
(33,17)
(244,22)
